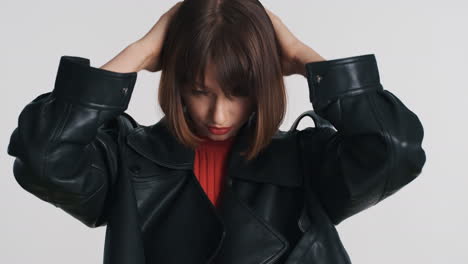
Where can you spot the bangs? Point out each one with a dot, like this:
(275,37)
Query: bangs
(229,59)
(233,42)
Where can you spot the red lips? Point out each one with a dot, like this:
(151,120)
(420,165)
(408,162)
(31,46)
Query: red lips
(219,130)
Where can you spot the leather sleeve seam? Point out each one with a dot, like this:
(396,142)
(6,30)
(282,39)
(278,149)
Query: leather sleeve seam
(57,130)
(391,162)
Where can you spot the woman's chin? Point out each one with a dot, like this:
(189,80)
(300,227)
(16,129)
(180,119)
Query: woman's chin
(218,137)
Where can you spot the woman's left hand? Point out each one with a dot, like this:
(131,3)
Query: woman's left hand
(295,54)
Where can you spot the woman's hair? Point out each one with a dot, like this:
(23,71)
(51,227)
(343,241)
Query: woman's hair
(239,38)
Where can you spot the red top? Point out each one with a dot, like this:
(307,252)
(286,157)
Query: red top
(210,165)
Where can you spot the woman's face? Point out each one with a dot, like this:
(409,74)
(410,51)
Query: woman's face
(209,107)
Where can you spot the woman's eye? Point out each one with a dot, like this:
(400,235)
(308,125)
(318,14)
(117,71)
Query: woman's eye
(198,92)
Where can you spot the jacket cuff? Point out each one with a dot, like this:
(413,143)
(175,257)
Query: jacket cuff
(78,82)
(332,79)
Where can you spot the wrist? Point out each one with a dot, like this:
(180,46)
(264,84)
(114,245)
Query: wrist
(143,54)
(149,54)
(304,55)
(130,59)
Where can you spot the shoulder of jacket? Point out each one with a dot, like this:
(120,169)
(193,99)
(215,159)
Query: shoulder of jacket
(122,123)
(127,120)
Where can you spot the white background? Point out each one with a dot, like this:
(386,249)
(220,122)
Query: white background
(421,50)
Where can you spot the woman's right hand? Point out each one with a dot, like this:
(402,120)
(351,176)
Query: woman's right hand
(153,40)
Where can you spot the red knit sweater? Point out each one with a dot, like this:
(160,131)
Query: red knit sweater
(210,165)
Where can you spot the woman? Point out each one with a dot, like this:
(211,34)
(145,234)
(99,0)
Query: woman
(215,181)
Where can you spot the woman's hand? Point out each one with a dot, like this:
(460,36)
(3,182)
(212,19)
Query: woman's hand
(144,53)
(295,54)
(152,41)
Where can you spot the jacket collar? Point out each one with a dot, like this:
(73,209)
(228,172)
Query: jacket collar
(157,143)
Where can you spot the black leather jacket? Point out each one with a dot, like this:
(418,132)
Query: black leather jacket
(77,149)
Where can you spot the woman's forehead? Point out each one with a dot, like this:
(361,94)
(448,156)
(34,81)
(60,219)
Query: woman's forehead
(209,81)
(231,81)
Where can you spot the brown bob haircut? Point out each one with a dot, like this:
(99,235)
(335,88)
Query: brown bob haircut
(239,38)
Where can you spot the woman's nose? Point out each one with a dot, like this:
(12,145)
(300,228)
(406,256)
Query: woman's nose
(220,114)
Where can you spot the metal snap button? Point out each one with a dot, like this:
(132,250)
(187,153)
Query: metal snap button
(318,78)
(124,90)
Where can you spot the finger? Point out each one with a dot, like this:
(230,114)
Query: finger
(270,14)
(175,7)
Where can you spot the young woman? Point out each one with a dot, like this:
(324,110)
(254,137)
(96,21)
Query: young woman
(215,180)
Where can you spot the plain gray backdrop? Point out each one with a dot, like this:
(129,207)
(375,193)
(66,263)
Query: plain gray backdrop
(421,51)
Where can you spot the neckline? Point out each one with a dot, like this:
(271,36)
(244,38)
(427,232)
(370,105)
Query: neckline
(209,142)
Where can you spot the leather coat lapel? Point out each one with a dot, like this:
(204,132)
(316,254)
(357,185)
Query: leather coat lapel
(249,238)
(158,144)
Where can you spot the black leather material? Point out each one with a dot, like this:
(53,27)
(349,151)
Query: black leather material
(76,148)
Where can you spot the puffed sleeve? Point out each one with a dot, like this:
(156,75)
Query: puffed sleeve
(65,144)
(372,147)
